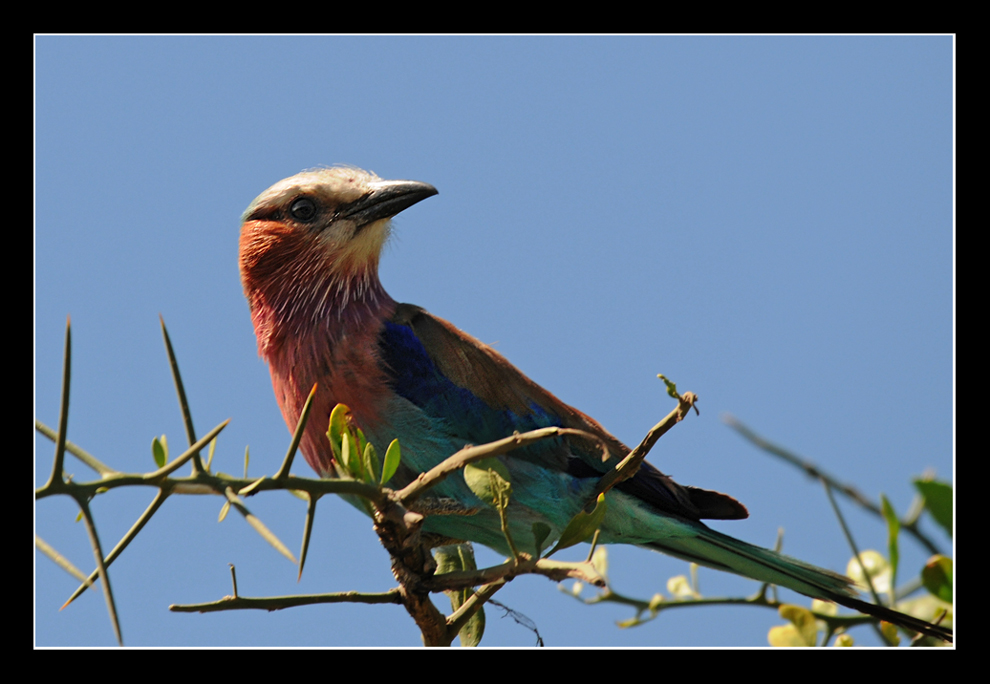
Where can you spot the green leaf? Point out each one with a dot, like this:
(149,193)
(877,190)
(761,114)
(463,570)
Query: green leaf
(938,501)
(448,559)
(631,622)
(680,588)
(466,554)
(540,533)
(582,526)
(338,427)
(824,607)
(784,636)
(489,480)
(455,558)
(937,577)
(889,632)
(877,568)
(671,387)
(159,450)
(360,442)
(599,560)
(473,629)
(893,529)
(346,451)
(844,641)
(392,458)
(805,629)
(503,490)
(371,466)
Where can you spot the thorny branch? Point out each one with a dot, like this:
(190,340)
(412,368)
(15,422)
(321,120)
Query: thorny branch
(909,524)
(397,518)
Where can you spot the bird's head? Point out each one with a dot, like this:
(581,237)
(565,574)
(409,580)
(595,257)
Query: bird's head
(311,243)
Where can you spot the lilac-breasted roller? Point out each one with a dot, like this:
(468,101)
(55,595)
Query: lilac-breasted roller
(309,251)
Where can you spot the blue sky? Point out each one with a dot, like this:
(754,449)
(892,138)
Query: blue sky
(768,221)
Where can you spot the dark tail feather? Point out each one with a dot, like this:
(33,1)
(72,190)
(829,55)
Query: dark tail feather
(896,618)
(722,552)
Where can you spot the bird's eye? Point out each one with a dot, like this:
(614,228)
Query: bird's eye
(303,209)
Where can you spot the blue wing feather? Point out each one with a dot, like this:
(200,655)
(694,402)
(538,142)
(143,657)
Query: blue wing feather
(416,378)
(472,393)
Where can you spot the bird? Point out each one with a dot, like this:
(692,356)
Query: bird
(309,253)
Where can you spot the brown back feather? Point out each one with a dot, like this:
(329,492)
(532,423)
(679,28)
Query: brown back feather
(473,365)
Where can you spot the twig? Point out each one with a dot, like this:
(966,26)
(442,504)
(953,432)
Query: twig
(59,560)
(104,576)
(76,450)
(280,602)
(558,571)
(470,454)
(630,464)
(183,402)
(812,470)
(296,436)
(856,554)
(121,545)
(460,617)
(56,481)
(760,599)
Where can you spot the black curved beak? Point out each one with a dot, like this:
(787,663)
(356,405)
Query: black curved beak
(386,199)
